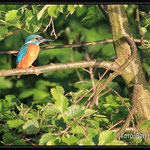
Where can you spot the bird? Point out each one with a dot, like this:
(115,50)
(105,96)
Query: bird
(29,52)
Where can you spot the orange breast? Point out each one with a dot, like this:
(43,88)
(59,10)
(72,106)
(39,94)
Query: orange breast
(31,55)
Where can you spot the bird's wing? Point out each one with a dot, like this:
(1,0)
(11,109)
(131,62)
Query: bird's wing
(22,53)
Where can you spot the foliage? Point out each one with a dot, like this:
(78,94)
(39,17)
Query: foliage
(42,110)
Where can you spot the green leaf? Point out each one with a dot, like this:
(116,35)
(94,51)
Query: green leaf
(12,18)
(85,142)
(42,84)
(88,112)
(80,6)
(56,92)
(144,30)
(9,137)
(28,14)
(5,83)
(3,105)
(20,142)
(52,10)
(46,137)
(145,15)
(26,93)
(4,30)
(8,103)
(70,140)
(92,11)
(11,98)
(61,7)
(75,111)
(145,125)
(93,123)
(93,135)
(40,94)
(11,15)
(77,130)
(115,142)
(41,12)
(33,25)
(147,68)
(61,101)
(71,9)
(50,110)
(106,137)
(31,126)
(15,123)
(57,141)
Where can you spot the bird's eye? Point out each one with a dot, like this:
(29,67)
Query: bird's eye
(39,39)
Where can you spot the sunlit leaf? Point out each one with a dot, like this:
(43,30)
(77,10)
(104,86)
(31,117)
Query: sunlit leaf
(31,127)
(46,137)
(15,123)
(106,137)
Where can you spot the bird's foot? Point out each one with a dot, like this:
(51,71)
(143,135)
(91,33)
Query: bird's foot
(32,67)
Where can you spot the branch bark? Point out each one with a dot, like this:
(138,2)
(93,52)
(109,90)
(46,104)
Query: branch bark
(59,66)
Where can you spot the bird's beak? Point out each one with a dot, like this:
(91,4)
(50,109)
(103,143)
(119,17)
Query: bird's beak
(45,40)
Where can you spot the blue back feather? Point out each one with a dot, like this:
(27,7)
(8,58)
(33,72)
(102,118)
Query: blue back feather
(22,52)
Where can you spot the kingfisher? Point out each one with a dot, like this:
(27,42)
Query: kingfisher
(29,52)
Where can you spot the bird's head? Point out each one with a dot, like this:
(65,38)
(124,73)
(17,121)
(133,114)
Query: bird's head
(36,39)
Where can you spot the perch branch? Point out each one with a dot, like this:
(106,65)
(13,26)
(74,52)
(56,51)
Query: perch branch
(59,66)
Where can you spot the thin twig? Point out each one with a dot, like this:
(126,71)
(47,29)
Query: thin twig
(115,124)
(53,27)
(14,31)
(82,82)
(91,75)
(129,129)
(76,70)
(71,45)
(64,131)
(49,24)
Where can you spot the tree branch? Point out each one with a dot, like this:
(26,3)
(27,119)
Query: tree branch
(15,31)
(108,80)
(59,66)
(71,45)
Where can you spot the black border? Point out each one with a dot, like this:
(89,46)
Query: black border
(90,2)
